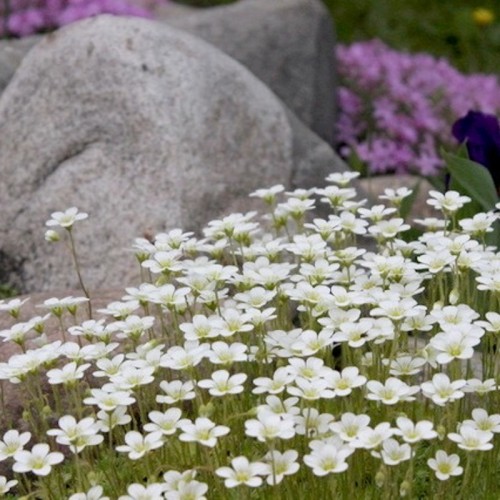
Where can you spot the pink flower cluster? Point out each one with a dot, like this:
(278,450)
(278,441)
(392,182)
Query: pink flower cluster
(397,109)
(25,17)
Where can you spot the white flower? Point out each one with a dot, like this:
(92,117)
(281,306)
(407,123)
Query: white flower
(394,453)
(202,431)
(280,465)
(449,202)
(281,378)
(311,423)
(77,435)
(221,353)
(484,422)
(391,392)
(441,390)
(139,492)
(167,423)
(445,465)
(411,432)
(12,442)
(94,493)
(66,219)
(350,426)
(192,490)
(222,383)
(5,485)
(176,391)
(68,374)
(327,458)
(108,420)
(344,382)
(109,400)
(138,445)
(39,460)
(269,426)
(311,389)
(242,472)
(369,438)
(469,438)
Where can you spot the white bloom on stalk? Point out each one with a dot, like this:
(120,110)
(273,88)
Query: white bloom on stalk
(138,445)
(94,493)
(344,382)
(442,390)
(68,374)
(139,492)
(350,426)
(191,490)
(484,422)
(369,438)
(66,219)
(327,457)
(108,420)
(176,391)
(221,353)
(280,465)
(470,438)
(77,435)
(223,383)
(445,465)
(413,432)
(6,485)
(281,378)
(393,453)
(269,426)
(242,472)
(311,390)
(12,442)
(109,400)
(448,202)
(311,423)
(391,392)
(166,422)
(202,431)
(39,460)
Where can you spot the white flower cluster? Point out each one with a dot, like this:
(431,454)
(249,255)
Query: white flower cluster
(260,357)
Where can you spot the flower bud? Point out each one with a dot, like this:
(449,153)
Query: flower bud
(52,236)
(206,410)
(405,488)
(454,296)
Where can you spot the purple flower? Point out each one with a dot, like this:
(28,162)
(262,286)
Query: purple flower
(396,109)
(481,134)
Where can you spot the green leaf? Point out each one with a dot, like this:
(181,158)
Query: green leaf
(472,179)
(409,201)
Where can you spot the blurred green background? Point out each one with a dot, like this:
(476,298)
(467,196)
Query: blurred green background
(445,28)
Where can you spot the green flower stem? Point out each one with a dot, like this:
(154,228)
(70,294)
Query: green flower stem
(78,272)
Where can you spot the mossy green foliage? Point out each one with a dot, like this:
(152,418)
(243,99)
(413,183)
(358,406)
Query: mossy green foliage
(447,28)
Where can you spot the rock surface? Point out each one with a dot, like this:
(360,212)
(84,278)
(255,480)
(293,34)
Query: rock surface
(145,128)
(12,53)
(288,44)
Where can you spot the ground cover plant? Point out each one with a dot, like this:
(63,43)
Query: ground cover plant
(271,358)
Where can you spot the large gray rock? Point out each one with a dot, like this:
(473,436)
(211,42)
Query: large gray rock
(12,53)
(146,128)
(288,44)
